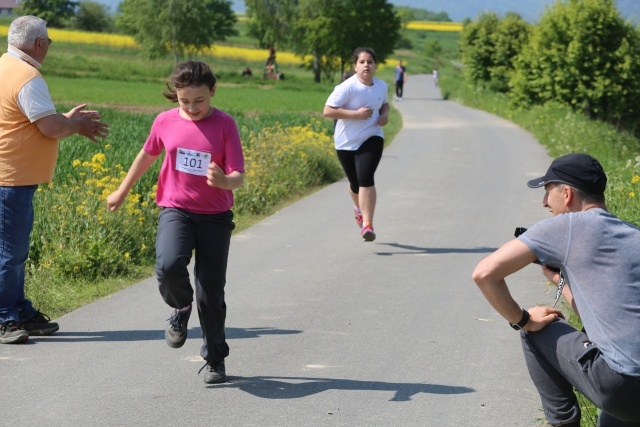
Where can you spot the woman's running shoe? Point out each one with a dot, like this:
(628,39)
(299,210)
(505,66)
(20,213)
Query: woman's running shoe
(358,216)
(368,235)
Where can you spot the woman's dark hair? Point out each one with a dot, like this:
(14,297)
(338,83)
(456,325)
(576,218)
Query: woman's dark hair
(190,73)
(358,51)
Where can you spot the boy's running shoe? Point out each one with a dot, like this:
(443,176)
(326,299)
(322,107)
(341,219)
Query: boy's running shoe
(214,372)
(176,333)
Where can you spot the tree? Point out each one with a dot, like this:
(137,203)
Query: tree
(55,12)
(585,55)
(93,16)
(179,27)
(270,21)
(371,23)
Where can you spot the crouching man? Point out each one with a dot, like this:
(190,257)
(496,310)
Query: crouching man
(596,256)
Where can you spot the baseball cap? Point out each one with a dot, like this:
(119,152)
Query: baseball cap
(577,170)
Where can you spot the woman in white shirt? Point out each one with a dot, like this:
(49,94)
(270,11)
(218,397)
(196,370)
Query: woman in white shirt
(361,107)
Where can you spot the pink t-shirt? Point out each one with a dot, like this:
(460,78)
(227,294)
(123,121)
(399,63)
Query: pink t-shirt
(190,147)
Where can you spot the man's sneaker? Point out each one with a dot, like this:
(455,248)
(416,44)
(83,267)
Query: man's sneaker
(358,215)
(40,324)
(12,332)
(368,235)
(176,332)
(214,372)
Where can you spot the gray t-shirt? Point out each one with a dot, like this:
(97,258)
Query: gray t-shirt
(599,255)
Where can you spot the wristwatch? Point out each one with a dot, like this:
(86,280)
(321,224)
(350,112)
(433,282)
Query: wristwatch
(523,322)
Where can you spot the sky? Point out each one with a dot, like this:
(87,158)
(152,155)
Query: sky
(458,10)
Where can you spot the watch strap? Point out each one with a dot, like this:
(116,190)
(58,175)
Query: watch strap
(523,322)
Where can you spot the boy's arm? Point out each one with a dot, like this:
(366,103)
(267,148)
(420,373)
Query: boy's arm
(139,166)
(217,178)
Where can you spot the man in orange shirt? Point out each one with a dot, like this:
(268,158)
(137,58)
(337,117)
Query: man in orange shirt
(29,131)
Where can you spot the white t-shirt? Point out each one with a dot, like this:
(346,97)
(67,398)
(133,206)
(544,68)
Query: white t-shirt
(352,94)
(35,101)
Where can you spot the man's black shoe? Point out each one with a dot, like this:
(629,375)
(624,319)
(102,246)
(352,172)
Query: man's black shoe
(12,332)
(40,324)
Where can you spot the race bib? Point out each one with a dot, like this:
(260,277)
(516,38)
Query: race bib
(192,162)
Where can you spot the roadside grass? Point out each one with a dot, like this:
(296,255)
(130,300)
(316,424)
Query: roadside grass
(563,131)
(269,98)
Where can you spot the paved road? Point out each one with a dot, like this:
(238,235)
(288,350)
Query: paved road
(324,329)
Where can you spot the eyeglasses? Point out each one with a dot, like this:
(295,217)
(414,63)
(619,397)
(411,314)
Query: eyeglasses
(48,40)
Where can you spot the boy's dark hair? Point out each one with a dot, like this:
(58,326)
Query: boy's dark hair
(189,73)
(359,50)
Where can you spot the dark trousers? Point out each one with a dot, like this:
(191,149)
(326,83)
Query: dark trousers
(559,358)
(399,87)
(179,234)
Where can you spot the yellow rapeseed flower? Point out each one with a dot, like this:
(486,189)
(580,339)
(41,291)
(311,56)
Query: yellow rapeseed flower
(435,26)
(84,37)
(118,40)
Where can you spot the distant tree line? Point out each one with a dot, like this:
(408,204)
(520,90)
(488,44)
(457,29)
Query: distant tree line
(414,14)
(581,53)
(83,15)
(326,31)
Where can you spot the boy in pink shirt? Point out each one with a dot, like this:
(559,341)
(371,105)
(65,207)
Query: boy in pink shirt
(203,164)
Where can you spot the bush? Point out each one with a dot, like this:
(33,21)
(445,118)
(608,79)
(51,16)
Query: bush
(489,48)
(282,162)
(583,55)
(476,47)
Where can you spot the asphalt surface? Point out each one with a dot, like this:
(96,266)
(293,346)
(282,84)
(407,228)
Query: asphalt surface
(325,329)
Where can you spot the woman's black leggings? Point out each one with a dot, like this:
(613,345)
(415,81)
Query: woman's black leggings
(360,165)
